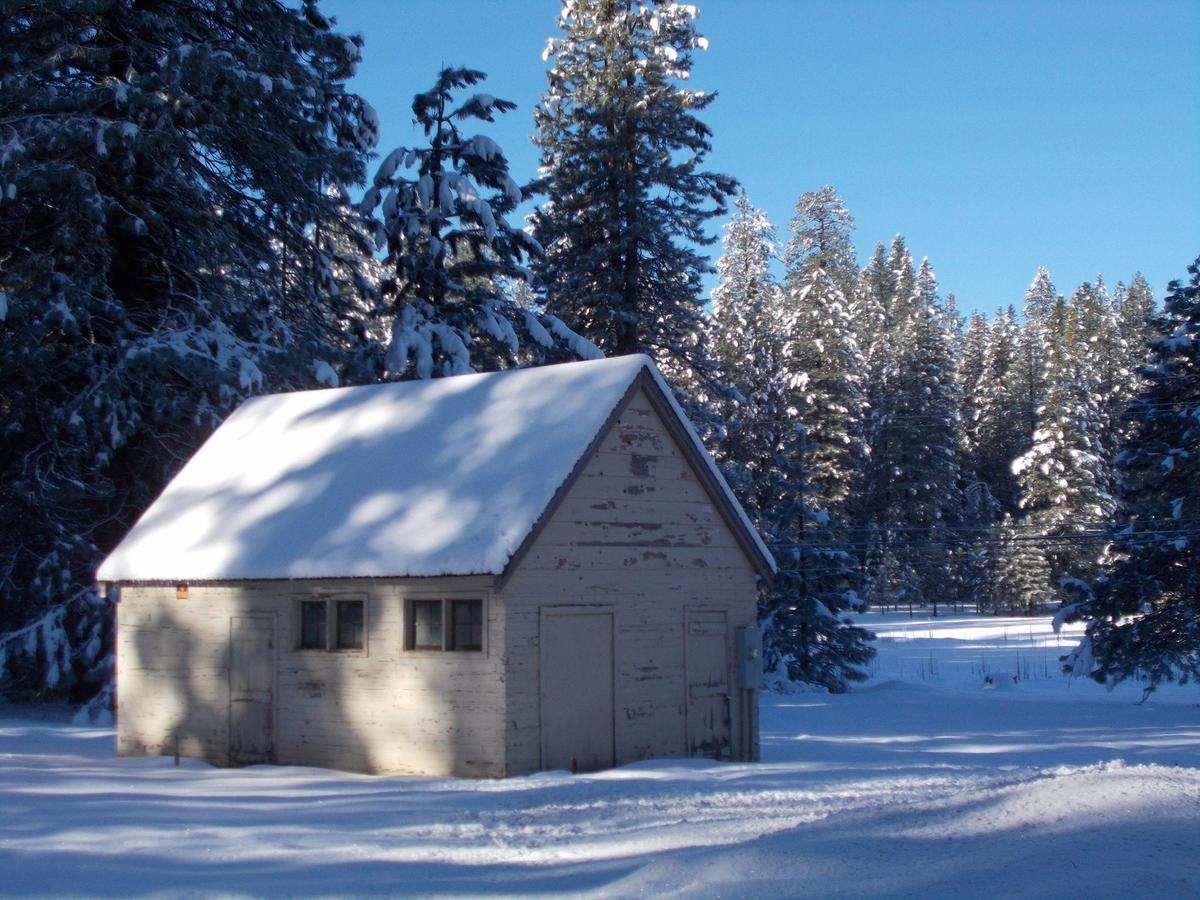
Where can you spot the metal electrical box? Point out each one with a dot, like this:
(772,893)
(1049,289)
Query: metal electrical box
(748,670)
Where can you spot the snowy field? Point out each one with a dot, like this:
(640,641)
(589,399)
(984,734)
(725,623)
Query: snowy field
(924,782)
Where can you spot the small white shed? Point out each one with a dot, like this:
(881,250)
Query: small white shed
(483,575)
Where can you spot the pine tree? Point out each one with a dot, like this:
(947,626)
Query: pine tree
(1102,360)
(952,323)
(746,298)
(917,502)
(627,198)
(1022,578)
(816,585)
(1040,297)
(873,292)
(998,435)
(886,292)
(820,239)
(970,372)
(1062,475)
(1040,300)
(824,365)
(1135,318)
(878,313)
(164,172)
(900,308)
(450,246)
(1134,311)
(763,450)
(747,348)
(1143,618)
(824,369)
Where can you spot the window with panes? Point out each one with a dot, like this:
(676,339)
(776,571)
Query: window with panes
(450,624)
(331,624)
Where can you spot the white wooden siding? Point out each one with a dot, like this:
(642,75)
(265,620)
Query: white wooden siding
(639,533)
(377,710)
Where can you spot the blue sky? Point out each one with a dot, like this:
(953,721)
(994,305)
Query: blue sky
(996,136)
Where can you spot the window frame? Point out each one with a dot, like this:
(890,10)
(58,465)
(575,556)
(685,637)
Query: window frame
(333,623)
(323,644)
(447,603)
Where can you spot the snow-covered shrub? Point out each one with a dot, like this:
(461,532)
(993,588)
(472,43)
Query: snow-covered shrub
(65,652)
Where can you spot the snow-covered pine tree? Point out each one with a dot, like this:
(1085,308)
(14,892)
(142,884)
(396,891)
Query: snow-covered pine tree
(820,231)
(980,507)
(824,371)
(450,246)
(163,169)
(1099,347)
(1134,310)
(747,343)
(1040,299)
(350,276)
(885,295)
(873,291)
(1063,476)
(1143,617)
(916,498)
(902,304)
(878,312)
(979,553)
(970,369)
(804,619)
(952,322)
(763,453)
(998,434)
(1021,579)
(622,156)
(824,365)
(1135,318)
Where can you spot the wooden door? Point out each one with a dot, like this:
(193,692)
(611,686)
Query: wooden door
(251,689)
(576,693)
(706,656)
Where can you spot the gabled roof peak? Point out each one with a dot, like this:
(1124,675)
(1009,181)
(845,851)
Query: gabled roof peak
(418,478)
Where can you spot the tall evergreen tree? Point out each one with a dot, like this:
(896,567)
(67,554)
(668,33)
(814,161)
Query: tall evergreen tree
(820,239)
(916,498)
(872,292)
(805,610)
(1062,475)
(1040,297)
(622,154)
(1102,360)
(901,305)
(746,299)
(998,435)
(1040,300)
(880,314)
(166,169)
(824,364)
(450,246)
(952,322)
(764,451)
(747,346)
(1021,579)
(824,369)
(1135,318)
(1143,617)
(970,372)
(889,284)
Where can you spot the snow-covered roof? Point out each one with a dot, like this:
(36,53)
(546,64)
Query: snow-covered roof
(441,477)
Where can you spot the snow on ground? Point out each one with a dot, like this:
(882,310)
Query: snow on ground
(922,782)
